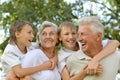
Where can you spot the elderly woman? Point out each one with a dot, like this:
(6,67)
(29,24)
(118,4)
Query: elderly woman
(47,38)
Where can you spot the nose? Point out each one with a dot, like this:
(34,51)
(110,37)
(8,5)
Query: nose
(48,35)
(79,37)
(32,35)
(70,36)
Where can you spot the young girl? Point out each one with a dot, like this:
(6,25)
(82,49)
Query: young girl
(68,38)
(21,36)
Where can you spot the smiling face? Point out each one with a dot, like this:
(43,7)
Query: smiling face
(87,38)
(25,36)
(48,37)
(68,37)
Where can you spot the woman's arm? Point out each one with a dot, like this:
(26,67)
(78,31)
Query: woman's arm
(29,60)
(107,50)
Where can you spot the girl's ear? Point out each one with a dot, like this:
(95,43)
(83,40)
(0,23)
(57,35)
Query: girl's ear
(17,34)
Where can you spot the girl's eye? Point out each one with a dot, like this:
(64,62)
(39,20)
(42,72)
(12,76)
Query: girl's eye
(30,32)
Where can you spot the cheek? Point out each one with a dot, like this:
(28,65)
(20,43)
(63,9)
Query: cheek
(56,39)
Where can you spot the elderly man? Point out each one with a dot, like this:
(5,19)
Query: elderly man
(91,33)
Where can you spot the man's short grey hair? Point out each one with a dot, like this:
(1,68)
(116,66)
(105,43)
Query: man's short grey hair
(95,24)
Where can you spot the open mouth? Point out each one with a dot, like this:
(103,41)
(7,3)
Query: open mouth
(30,41)
(83,44)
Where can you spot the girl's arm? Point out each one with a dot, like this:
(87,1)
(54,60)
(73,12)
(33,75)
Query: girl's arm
(21,72)
(107,50)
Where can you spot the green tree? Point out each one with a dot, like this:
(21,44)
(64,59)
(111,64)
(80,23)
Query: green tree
(110,14)
(34,11)
(57,11)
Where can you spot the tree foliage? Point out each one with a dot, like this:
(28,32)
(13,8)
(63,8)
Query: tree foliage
(111,14)
(107,10)
(57,11)
(34,11)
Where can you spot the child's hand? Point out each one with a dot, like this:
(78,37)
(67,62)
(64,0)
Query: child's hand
(92,67)
(11,76)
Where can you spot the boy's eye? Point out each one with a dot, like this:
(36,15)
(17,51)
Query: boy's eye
(73,33)
(66,34)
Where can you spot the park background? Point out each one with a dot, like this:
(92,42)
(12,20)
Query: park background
(58,11)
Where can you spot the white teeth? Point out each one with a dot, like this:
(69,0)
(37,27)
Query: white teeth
(71,41)
(83,44)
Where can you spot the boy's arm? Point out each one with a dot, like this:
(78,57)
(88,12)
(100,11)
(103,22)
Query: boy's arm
(79,76)
(66,76)
(107,50)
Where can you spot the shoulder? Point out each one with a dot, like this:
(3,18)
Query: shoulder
(62,54)
(34,45)
(34,52)
(105,42)
(33,55)
(10,47)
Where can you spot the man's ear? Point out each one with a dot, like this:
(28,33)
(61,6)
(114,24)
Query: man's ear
(99,36)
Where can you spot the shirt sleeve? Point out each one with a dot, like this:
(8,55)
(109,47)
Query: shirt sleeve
(11,58)
(61,65)
(105,42)
(31,59)
(119,61)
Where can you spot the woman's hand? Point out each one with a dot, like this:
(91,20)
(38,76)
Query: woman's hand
(54,60)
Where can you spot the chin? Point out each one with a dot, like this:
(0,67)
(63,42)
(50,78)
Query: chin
(84,49)
(28,45)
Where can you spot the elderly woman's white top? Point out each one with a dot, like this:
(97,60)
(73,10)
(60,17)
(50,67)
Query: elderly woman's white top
(37,57)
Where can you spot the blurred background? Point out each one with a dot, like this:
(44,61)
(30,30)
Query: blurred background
(58,11)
